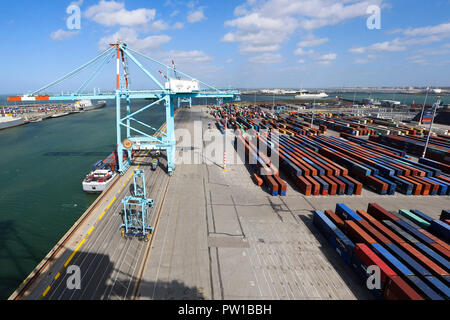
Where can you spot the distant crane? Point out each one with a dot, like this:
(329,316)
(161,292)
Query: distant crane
(173,88)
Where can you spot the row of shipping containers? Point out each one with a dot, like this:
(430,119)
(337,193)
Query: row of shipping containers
(325,165)
(409,248)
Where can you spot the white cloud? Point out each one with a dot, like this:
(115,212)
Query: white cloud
(412,37)
(60,34)
(301,61)
(263,23)
(131,37)
(196,16)
(178,26)
(188,57)
(78,3)
(312,42)
(326,59)
(430,30)
(158,25)
(111,13)
(302,52)
(387,46)
(248,48)
(369,58)
(257,33)
(266,58)
(229,61)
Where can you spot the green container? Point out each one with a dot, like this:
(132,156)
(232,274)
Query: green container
(412,217)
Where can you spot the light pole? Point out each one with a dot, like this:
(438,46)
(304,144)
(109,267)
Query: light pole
(423,106)
(435,106)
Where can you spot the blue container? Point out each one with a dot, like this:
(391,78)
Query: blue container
(445,215)
(403,186)
(422,215)
(439,286)
(349,186)
(346,213)
(323,184)
(433,255)
(392,186)
(391,260)
(423,288)
(407,260)
(323,223)
(413,231)
(344,246)
(441,229)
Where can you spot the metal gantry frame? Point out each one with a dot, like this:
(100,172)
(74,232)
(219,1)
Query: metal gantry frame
(136,217)
(135,139)
(139,184)
(136,210)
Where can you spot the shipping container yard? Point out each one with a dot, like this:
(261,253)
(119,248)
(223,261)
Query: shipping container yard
(409,247)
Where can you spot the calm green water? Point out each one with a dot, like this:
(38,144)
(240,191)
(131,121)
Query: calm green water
(41,169)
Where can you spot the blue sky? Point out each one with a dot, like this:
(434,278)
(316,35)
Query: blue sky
(237,43)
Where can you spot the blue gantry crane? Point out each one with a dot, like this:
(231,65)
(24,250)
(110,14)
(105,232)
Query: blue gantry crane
(127,125)
(137,210)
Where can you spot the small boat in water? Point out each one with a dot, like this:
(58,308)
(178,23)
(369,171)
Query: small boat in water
(10,121)
(87,105)
(61,114)
(98,180)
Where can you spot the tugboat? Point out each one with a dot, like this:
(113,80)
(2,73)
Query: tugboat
(102,174)
(98,180)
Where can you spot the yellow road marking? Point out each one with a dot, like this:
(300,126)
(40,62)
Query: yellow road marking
(101,216)
(57,275)
(112,201)
(75,251)
(90,230)
(46,291)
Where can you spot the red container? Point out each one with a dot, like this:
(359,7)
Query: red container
(441,250)
(258,180)
(381,227)
(398,289)
(435,239)
(424,261)
(304,185)
(336,219)
(370,258)
(378,236)
(332,189)
(380,213)
(356,234)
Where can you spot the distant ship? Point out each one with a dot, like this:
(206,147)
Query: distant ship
(305,95)
(9,122)
(61,114)
(86,105)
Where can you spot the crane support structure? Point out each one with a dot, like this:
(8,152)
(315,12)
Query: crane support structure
(169,94)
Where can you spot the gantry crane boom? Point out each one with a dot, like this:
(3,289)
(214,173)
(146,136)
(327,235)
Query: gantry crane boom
(136,139)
